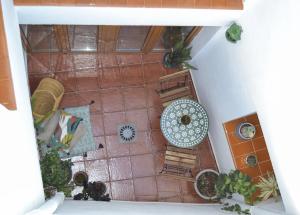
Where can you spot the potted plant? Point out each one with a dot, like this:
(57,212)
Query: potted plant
(246,130)
(268,187)
(171,35)
(235,182)
(178,56)
(56,173)
(80,178)
(233,33)
(94,190)
(236,208)
(205,184)
(251,160)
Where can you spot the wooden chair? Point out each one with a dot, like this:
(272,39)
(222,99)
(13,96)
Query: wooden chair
(179,163)
(174,86)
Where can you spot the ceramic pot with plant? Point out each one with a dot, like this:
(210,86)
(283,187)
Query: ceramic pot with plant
(205,184)
(268,187)
(178,57)
(246,131)
(251,160)
(80,178)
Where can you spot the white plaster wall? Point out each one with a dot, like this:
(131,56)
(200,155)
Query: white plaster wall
(124,16)
(21,182)
(71,207)
(260,73)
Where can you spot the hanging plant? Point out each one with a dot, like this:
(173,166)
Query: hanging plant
(233,33)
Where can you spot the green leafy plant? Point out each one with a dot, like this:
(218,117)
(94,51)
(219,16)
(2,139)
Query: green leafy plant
(233,33)
(235,182)
(268,187)
(178,56)
(235,208)
(171,35)
(56,172)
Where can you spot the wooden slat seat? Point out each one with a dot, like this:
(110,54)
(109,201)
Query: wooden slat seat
(174,86)
(179,163)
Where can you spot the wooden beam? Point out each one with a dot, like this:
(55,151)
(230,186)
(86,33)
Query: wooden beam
(7,95)
(189,38)
(152,38)
(107,38)
(62,37)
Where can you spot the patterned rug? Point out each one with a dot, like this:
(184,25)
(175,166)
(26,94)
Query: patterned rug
(86,142)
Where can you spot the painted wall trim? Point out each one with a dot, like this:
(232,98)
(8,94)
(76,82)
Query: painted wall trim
(124,16)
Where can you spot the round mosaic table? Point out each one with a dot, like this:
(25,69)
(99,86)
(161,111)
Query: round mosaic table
(184,123)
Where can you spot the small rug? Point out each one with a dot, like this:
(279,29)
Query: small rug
(86,142)
(127,133)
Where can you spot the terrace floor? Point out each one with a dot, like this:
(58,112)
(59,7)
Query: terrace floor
(124,90)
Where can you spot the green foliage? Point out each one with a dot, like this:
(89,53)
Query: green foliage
(179,56)
(235,182)
(236,208)
(171,35)
(56,172)
(95,190)
(268,187)
(233,33)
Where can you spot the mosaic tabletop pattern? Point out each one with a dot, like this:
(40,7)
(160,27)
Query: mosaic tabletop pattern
(178,134)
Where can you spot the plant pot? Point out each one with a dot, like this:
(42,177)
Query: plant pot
(251,160)
(80,177)
(168,63)
(100,187)
(205,184)
(245,131)
(50,191)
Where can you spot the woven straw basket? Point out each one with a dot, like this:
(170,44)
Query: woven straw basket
(46,98)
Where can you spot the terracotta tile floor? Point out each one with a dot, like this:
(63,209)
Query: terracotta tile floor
(123,88)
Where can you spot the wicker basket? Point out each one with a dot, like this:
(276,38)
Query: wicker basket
(46,98)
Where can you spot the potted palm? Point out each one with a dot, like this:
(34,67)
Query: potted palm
(178,56)
(268,187)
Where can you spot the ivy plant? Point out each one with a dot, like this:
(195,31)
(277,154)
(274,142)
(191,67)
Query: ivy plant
(236,208)
(56,172)
(235,182)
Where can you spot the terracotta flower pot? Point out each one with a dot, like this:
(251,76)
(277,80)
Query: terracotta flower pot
(80,178)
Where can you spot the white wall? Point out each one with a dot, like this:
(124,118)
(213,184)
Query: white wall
(260,73)
(71,207)
(124,16)
(20,178)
